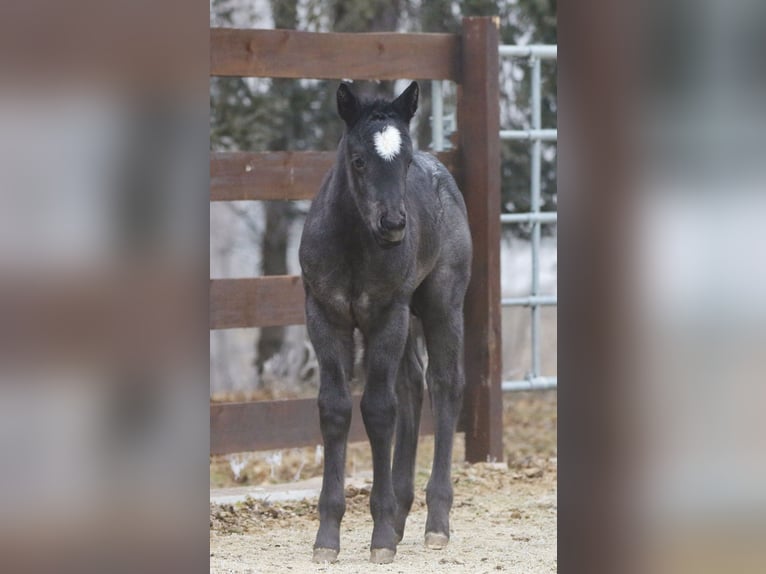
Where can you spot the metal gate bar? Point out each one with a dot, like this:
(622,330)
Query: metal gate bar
(536,135)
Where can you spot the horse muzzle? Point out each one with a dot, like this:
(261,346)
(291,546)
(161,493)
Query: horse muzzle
(391,230)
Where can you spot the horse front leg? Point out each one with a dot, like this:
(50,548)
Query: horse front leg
(385,345)
(334,346)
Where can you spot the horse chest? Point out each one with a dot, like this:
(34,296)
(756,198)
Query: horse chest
(356,293)
(354,306)
(361,306)
(354,284)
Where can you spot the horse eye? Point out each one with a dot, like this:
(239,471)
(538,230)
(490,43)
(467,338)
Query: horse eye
(358,163)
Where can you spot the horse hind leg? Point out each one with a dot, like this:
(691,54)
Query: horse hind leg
(446,380)
(409,391)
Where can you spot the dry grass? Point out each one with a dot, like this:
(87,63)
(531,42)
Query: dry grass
(529,439)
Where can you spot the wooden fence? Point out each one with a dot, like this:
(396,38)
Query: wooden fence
(471,60)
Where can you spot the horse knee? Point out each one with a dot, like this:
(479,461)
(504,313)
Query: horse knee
(334,415)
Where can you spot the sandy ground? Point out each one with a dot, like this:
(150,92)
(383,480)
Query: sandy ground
(501,520)
(503,517)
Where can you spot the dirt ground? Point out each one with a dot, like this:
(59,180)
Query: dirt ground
(503,516)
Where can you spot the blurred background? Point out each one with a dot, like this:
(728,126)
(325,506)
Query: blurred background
(262,238)
(104,399)
(104,409)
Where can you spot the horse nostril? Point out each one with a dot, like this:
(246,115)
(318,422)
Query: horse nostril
(393,225)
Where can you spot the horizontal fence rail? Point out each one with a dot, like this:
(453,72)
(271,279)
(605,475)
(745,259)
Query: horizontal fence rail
(541,217)
(531,384)
(543,135)
(284,175)
(536,135)
(294,54)
(290,423)
(541,51)
(529,300)
(241,176)
(256,302)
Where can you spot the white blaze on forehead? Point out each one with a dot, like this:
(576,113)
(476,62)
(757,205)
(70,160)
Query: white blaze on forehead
(388,142)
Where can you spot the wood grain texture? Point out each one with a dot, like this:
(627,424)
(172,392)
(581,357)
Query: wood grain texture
(295,54)
(256,302)
(290,176)
(236,176)
(293,423)
(479,127)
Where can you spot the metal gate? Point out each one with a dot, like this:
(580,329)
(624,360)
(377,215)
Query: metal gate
(535,135)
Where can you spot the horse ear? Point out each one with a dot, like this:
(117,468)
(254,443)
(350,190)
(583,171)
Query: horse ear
(407,103)
(348,105)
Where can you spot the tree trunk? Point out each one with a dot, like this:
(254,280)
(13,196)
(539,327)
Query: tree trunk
(278,213)
(273,262)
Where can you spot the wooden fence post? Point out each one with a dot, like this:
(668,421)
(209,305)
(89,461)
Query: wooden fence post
(479,137)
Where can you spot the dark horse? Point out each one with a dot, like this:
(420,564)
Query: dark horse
(386,246)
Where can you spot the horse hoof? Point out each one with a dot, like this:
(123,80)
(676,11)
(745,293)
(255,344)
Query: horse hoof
(436,540)
(323,555)
(382,555)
